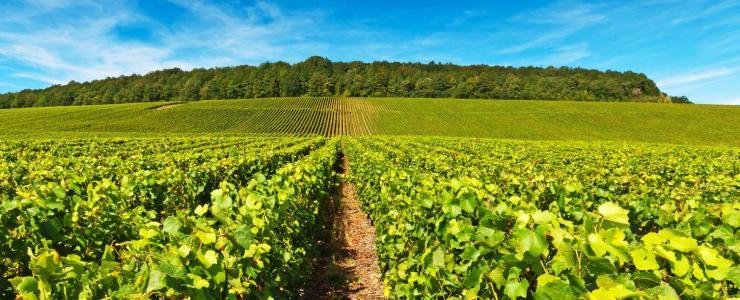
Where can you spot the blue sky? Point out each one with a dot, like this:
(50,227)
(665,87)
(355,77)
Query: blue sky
(689,48)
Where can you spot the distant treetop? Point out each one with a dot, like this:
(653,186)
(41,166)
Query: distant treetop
(318,76)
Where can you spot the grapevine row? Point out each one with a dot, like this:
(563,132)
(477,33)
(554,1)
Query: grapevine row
(82,214)
(458,218)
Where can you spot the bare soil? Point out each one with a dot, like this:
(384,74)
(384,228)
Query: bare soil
(348,266)
(166,106)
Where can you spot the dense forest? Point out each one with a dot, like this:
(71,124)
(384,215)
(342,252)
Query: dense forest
(319,76)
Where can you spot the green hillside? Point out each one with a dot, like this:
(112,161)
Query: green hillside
(509,119)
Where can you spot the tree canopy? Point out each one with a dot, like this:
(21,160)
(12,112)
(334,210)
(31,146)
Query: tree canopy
(318,76)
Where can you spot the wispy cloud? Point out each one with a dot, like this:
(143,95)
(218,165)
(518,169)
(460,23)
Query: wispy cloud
(38,77)
(691,78)
(559,20)
(701,13)
(714,84)
(8,85)
(468,15)
(735,101)
(566,55)
(247,34)
(84,48)
(563,13)
(541,40)
(725,44)
(46,42)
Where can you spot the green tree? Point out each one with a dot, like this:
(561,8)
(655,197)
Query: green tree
(319,85)
(318,76)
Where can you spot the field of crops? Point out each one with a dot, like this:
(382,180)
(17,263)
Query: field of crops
(220,217)
(507,119)
(458,218)
(203,218)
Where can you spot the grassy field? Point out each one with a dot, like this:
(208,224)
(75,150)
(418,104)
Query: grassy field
(236,198)
(508,119)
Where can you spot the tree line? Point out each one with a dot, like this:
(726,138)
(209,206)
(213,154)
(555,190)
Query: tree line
(318,76)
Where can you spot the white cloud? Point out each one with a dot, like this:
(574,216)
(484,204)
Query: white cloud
(38,77)
(253,33)
(541,40)
(562,13)
(561,20)
(696,14)
(568,54)
(84,46)
(694,77)
(33,54)
(8,85)
(468,15)
(55,41)
(725,44)
(735,101)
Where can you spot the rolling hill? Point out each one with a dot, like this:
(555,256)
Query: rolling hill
(507,119)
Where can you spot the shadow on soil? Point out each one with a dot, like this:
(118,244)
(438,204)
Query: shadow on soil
(334,275)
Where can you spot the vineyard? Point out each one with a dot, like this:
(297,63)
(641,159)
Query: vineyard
(204,218)
(331,116)
(238,217)
(551,221)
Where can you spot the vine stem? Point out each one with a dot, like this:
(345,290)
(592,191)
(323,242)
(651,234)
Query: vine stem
(543,266)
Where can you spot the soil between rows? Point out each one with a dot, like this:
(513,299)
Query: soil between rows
(347,267)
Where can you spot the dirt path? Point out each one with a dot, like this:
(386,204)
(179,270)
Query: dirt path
(166,106)
(348,266)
